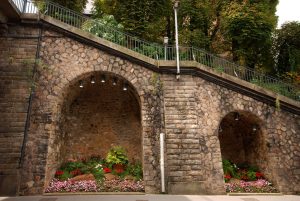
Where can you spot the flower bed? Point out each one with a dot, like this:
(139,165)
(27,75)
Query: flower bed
(113,174)
(115,185)
(259,186)
(245,179)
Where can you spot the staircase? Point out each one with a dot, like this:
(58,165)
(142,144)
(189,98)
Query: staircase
(158,51)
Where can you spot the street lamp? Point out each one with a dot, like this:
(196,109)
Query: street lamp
(166,41)
(176,4)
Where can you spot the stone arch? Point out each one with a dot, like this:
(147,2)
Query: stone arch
(242,139)
(69,61)
(64,142)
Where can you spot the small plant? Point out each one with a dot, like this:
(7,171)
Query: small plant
(70,166)
(136,170)
(227,177)
(117,155)
(229,168)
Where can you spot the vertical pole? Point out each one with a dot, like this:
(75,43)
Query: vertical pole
(162,163)
(176,39)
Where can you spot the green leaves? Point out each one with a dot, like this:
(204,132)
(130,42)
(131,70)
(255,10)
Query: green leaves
(117,155)
(249,26)
(76,5)
(287,48)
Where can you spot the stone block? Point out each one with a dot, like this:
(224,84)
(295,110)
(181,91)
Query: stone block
(8,185)
(187,188)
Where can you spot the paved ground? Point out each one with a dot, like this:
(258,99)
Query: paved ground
(151,198)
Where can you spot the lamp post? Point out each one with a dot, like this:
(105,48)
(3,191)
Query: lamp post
(176,4)
(166,41)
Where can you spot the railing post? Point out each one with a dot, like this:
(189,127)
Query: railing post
(24,6)
(166,41)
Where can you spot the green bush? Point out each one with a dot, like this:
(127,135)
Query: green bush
(65,176)
(229,168)
(70,166)
(136,170)
(117,155)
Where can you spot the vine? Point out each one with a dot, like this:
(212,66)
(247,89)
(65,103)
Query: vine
(154,97)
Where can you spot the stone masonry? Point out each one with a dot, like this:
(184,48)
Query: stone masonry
(17,54)
(189,111)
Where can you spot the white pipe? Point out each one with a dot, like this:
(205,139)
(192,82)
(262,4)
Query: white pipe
(162,163)
(176,39)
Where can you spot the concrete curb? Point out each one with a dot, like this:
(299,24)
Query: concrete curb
(254,194)
(94,193)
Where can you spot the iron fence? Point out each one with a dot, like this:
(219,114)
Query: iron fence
(154,50)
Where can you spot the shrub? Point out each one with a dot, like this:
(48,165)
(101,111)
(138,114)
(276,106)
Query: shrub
(229,168)
(117,155)
(136,170)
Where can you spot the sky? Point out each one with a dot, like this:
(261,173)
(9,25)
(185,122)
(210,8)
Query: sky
(287,10)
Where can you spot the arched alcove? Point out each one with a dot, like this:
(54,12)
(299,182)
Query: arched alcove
(101,110)
(242,139)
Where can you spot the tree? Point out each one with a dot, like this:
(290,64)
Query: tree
(248,25)
(287,46)
(76,5)
(143,18)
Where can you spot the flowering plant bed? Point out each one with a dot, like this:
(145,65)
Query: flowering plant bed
(113,174)
(115,185)
(259,186)
(245,179)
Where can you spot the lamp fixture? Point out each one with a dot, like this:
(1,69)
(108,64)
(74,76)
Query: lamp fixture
(103,78)
(236,116)
(80,84)
(125,87)
(220,129)
(93,79)
(115,80)
(166,40)
(254,128)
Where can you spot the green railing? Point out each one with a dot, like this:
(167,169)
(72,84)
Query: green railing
(158,51)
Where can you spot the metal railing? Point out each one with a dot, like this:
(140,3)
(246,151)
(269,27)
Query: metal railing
(154,50)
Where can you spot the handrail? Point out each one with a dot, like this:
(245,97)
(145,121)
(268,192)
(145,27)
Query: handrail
(157,51)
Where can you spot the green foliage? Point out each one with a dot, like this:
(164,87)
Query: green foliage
(242,171)
(76,5)
(150,50)
(98,173)
(195,18)
(106,27)
(69,166)
(277,87)
(143,18)
(251,175)
(66,175)
(287,48)
(136,170)
(117,155)
(229,168)
(248,26)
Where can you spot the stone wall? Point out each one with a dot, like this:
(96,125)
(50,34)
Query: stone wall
(65,62)
(194,109)
(189,111)
(17,49)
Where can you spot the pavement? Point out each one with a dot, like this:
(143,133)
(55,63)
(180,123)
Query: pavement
(154,198)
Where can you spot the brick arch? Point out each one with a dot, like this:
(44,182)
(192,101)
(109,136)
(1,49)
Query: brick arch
(66,144)
(242,139)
